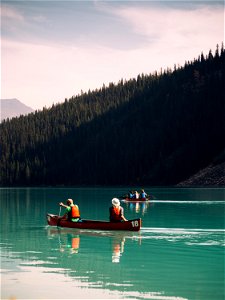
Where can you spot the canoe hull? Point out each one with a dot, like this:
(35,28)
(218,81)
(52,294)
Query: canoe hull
(135,200)
(130,225)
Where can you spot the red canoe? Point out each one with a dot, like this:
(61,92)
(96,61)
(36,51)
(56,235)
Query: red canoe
(131,225)
(136,200)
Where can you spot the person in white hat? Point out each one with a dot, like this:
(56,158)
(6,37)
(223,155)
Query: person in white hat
(116,212)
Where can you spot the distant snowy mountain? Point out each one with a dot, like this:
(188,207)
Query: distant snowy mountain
(10,108)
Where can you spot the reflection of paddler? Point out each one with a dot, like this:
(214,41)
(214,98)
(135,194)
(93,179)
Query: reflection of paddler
(73,243)
(76,242)
(137,207)
(118,248)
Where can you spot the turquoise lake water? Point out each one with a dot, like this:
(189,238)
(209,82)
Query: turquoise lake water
(178,253)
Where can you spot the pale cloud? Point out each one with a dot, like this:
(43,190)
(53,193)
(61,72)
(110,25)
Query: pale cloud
(178,27)
(11,14)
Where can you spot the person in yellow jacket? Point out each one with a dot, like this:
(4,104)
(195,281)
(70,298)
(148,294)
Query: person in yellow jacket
(72,211)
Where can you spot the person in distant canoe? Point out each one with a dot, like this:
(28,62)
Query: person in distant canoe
(136,195)
(131,194)
(72,211)
(116,212)
(143,195)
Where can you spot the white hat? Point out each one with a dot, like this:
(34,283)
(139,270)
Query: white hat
(115,202)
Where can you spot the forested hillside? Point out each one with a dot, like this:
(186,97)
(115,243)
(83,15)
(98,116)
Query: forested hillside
(157,129)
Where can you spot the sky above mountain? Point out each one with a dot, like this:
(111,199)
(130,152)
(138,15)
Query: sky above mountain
(51,50)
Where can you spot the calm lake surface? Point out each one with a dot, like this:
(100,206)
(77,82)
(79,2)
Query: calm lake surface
(178,254)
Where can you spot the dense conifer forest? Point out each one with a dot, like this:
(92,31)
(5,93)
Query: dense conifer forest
(156,129)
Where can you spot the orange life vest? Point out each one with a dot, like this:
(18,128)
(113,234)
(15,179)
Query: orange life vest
(115,213)
(74,212)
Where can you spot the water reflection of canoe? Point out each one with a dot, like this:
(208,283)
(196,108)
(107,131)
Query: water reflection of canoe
(131,225)
(69,239)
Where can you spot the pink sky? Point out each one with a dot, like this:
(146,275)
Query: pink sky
(52,50)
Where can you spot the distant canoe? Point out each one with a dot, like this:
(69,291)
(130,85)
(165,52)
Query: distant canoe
(130,200)
(130,225)
(136,200)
